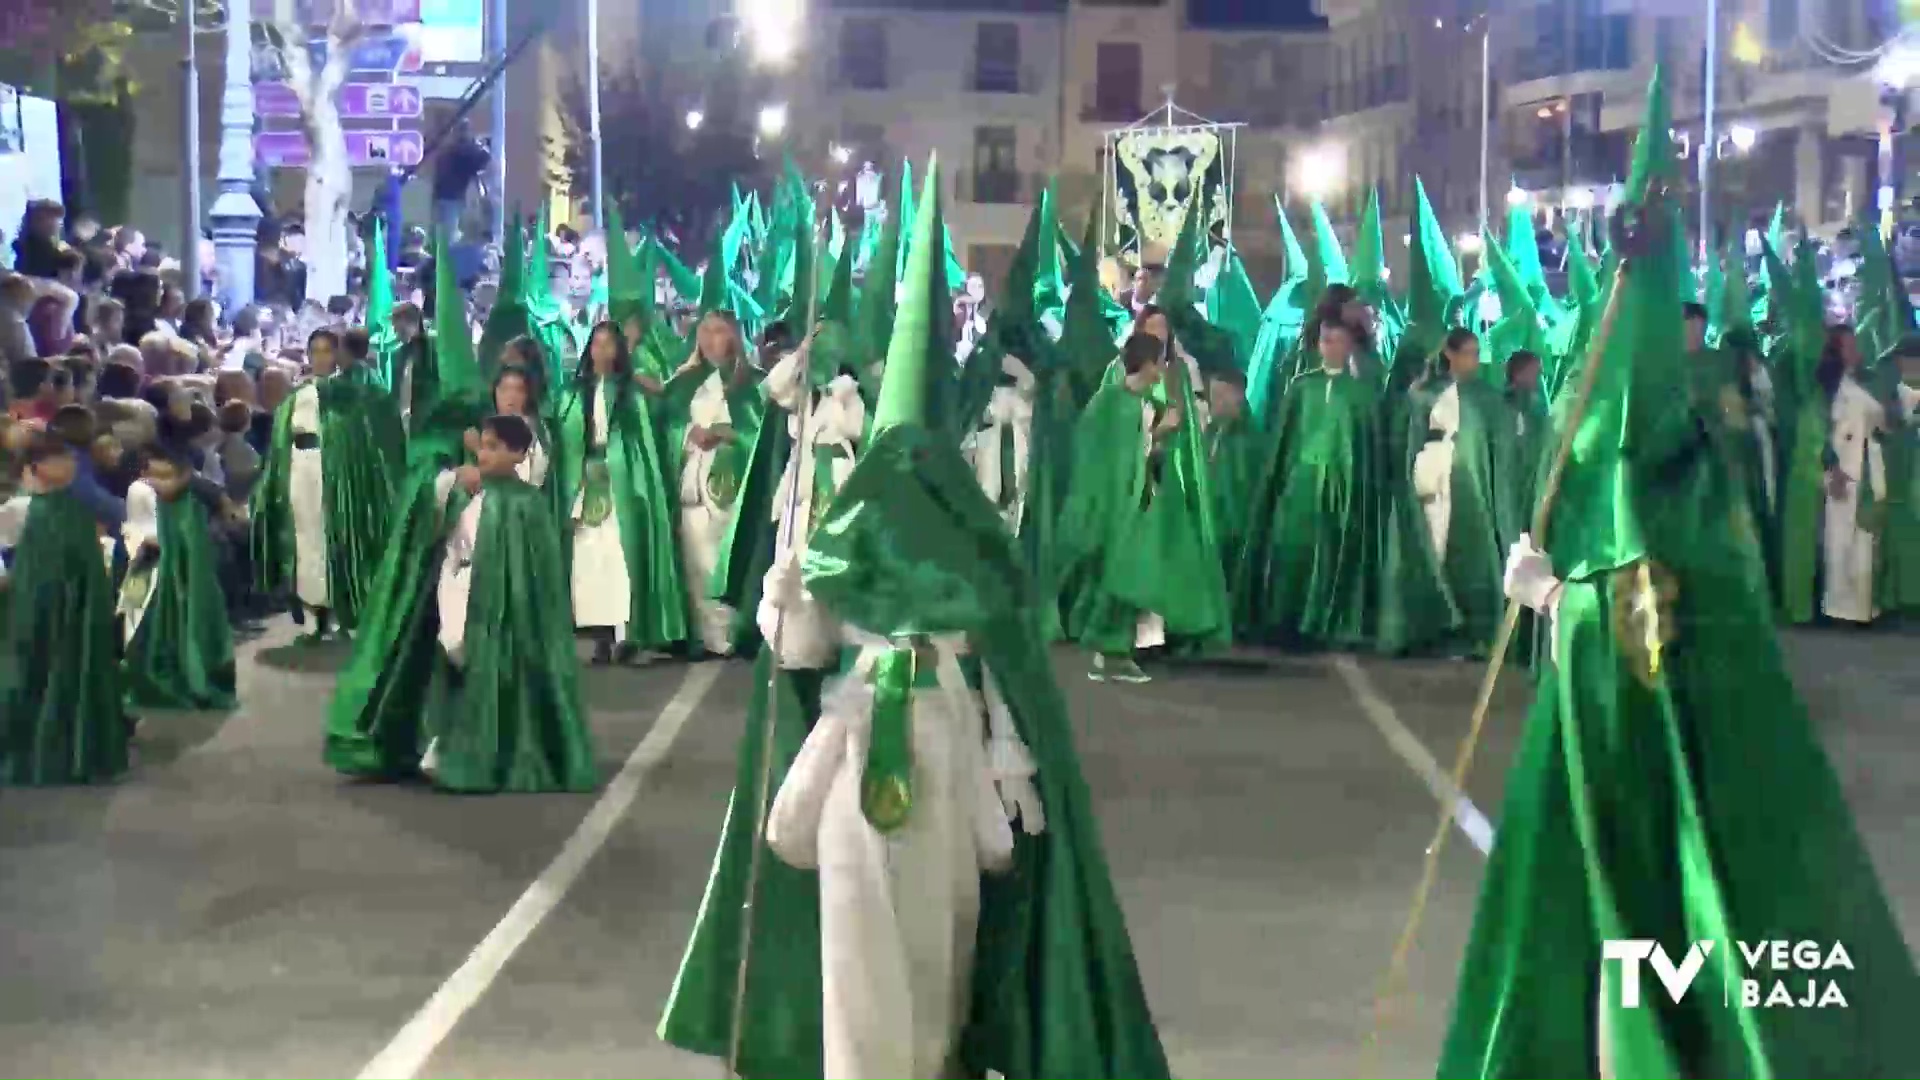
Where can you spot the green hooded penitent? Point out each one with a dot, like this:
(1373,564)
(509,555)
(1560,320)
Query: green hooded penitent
(912,546)
(1668,786)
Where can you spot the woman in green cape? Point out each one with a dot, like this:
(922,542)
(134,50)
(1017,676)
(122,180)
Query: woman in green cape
(613,487)
(179,652)
(505,714)
(710,412)
(61,712)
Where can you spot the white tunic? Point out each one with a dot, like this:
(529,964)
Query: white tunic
(533,468)
(456,570)
(1849,550)
(142,525)
(899,910)
(1009,416)
(1433,468)
(807,636)
(602,590)
(1150,629)
(307,501)
(703,524)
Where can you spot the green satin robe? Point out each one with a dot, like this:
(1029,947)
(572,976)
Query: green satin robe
(1137,537)
(364,453)
(511,719)
(181,656)
(1486,515)
(913,541)
(1679,800)
(61,712)
(645,503)
(1233,458)
(783,1019)
(1308,567)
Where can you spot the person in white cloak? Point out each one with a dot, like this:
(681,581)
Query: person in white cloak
(1857,421)
(999,449)
(306,485)
(826,439)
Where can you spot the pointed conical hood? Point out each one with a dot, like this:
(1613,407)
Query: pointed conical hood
(1434,277)
(1327,256)
(380,334)
(453,355)
(1597,524)
(911,545)
(1086,342)
(1370,254)
(1235,308)
(1299,267)
(876,292)
(917,353)
(509,318)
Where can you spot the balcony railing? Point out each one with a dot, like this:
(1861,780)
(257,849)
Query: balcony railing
(989,77)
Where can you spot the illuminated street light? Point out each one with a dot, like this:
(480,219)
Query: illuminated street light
(1743,137)
(773,121)
(694,119)
(1468,243)
(1582,199)
(1318,171)
(1517,196)
(773,28)
(840,154)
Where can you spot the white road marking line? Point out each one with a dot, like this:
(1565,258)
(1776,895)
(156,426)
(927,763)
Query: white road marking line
(1379,711)
(404,1057)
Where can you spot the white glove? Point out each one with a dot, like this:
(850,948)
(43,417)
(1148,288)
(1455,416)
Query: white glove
(1012,770)
(1529,578)
(784,584)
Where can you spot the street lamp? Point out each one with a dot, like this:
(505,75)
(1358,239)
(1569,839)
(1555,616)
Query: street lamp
(1743,136)
(773,28)
(840,154)
(773,120)
(1582,199)
(235,216)
(1468,243)
(1318,171)
(1517,196)
(694,119)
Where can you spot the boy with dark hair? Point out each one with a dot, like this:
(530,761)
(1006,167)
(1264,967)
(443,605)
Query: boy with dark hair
(61,718)
(32,391)
(505,712)
(179,648)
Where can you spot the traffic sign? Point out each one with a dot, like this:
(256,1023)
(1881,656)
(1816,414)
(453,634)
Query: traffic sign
(356,101)
(386,53)
(365,149)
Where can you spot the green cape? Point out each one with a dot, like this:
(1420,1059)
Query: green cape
(181,656)
(510,718)
(61,719)
(364,452)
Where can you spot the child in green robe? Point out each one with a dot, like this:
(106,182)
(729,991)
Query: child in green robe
(179,647)
(1118,448)
(61,716)
(506,714)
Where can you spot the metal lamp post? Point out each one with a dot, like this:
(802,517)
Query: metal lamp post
(236,217)
(190,131)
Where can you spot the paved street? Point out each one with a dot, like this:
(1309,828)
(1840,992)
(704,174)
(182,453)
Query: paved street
(233,908)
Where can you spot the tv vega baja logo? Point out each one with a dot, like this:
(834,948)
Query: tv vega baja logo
(1778,974)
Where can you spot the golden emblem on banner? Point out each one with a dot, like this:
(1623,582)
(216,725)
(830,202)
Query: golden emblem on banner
(1165,165)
